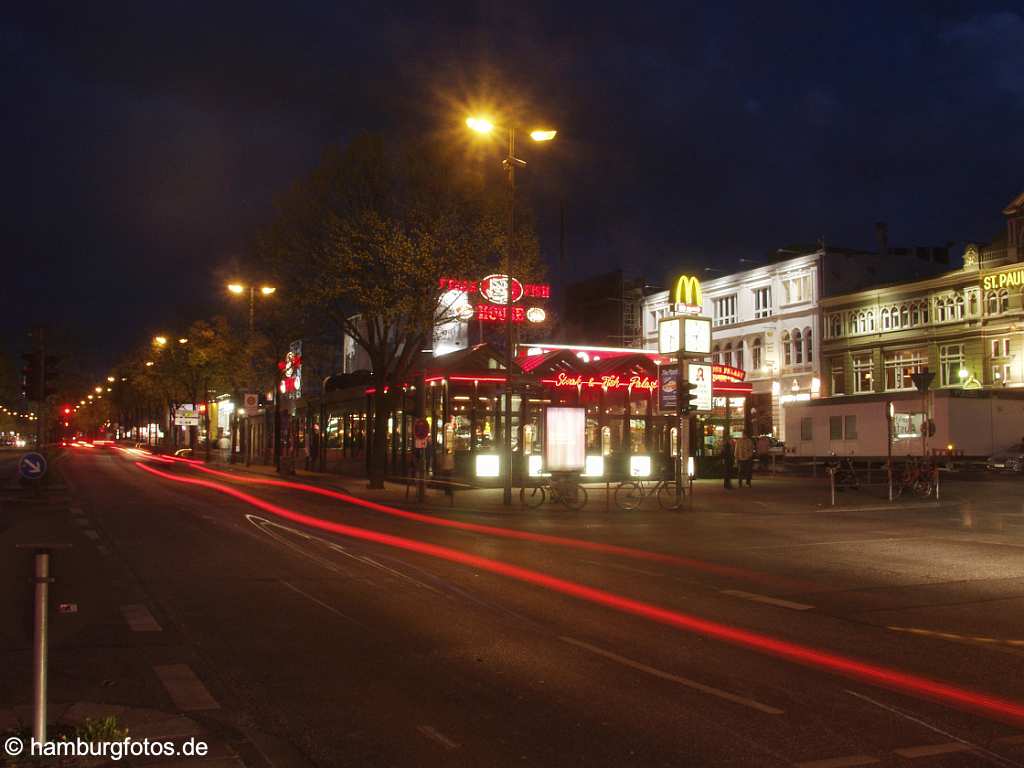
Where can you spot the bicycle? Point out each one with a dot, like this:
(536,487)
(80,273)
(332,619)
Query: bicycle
(918,477)
(629,494)
(564,490)
(844,473)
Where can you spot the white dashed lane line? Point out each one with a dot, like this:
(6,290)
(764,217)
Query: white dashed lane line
(716,692)
(930,750)
(185,689)
(767,600)
(434,735)
(139,619)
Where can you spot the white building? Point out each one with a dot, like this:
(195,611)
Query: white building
(767,322)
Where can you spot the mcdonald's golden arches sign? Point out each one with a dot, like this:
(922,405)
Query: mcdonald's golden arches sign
(687,291)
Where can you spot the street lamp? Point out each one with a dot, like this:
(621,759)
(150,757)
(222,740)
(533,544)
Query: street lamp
(238,289)
(483,125)
(160,341)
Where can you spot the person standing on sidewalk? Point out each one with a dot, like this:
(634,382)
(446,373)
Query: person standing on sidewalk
(728,462)
(745,458)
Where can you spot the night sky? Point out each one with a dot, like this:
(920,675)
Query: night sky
(144,143)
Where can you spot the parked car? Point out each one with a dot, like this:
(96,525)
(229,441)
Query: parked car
(1009,460)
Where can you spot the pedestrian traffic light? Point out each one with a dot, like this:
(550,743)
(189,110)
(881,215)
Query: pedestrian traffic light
(690,397)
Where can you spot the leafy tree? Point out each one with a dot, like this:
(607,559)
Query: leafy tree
(360,244)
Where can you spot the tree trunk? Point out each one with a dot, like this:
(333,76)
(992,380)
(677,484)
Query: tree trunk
(379,445)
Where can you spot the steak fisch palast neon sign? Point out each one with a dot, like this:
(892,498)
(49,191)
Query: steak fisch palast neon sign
(611,381)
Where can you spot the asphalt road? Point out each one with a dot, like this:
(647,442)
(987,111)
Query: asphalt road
(346,651)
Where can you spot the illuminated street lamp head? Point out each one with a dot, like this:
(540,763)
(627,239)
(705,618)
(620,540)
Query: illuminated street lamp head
(99,389)
(90,397)
(183,340)
(236,287)
(160,340)
(266,290)
(479,124)
(149,363)
(110,379)
(545,135)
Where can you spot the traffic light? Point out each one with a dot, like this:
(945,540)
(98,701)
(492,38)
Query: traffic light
(689,396)
(31,376)
(50,375)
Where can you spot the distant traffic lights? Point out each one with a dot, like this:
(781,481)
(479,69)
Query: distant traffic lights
(39,375)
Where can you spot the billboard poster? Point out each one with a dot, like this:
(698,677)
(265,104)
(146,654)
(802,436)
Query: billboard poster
(700,375)
(667,387)
(565,444)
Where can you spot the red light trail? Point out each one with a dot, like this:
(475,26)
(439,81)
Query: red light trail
(1002,709)
(511,533)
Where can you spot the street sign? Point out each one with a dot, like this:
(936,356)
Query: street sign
(420,433)
(32,466)
(250,401)
(186,415)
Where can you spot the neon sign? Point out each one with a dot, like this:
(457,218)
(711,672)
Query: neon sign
(494,288)
(611,381)
(687,291)
(721,372)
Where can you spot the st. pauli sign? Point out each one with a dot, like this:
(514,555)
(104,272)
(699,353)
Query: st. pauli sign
(611,381)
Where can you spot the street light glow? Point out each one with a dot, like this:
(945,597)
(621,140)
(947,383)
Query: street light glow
(962,373)
(160,340)
(183,340)
(99,389)
(149,363)
(479,124)
(236,287)
(110,379)
(543,135)
(266,290)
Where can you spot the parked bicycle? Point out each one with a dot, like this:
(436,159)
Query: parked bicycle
(917,477)
(844,473)
(629,494)
(561,489)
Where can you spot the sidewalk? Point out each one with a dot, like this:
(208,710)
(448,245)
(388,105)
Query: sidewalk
(774,494)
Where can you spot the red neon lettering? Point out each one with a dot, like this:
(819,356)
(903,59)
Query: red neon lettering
(611,381)
(497,312)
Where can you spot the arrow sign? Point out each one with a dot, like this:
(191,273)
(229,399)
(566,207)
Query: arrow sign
(32,466)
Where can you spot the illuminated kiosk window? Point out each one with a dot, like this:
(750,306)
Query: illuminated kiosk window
(690,470)
(535,466)
(488,465)
(594,466)
(639,466)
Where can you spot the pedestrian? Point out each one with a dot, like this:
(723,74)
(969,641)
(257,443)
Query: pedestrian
(745,458)
(728,462)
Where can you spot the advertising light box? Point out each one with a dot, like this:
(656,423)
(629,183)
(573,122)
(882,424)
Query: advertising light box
(565,439)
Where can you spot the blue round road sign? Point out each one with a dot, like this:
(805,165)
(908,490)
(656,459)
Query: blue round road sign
(32,466)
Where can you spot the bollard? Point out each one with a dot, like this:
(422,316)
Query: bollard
(832,484)
(607,496)
(937,474)
(40,639)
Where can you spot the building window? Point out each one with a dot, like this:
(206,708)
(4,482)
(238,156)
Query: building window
(837,376)
(725,310)
(863,373)
(904,316)
(797,289)
(716,354)
(808,346)
(924,313)
(915,314)
(886,321)
(786,350)
(835,427)
(951,360)
(1006,372)
(763,301)
(959,307)
(853,323)
(738,357)
(850,428)
(758,358)
(798,347)
(900,366)
(836,325)
(727,353)
(807,428)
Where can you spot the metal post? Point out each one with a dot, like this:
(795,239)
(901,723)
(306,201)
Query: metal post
(832,484)
(252,310)
(889,418)
(510,163)
(682,419)
(937,475)
(39,644)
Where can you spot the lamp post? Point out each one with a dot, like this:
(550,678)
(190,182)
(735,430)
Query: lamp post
(266,291)
(238,289)
(890,415)
(485,126)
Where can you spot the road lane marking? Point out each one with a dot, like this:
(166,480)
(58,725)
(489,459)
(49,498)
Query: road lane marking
(768,600)
(89,533)
(717,692)
(322,604)
(432,733)
(185,689)
(958,638)
(139,619)
(930,750)
(985,754)
(840,762)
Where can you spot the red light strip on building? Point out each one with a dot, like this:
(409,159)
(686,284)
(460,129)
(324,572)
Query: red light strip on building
(477,378)
(992,706)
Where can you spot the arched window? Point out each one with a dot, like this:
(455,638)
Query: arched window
(915,314)
(837,326)
(904,316)
(973,304)
(871,321)
(959,307)
(886,323)
(758,360)
(727,353)
(716,354)
(808,346)
(798,347)
(853,323)
(738,357)
(1004,301)
(992,303)
(940,311)
(786,351)
(924,313)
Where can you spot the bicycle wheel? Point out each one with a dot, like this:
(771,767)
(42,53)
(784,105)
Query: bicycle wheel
(573,496)
(923,487)
(628,495)
(532,496)
(667,495)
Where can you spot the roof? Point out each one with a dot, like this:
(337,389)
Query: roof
(1015,206)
